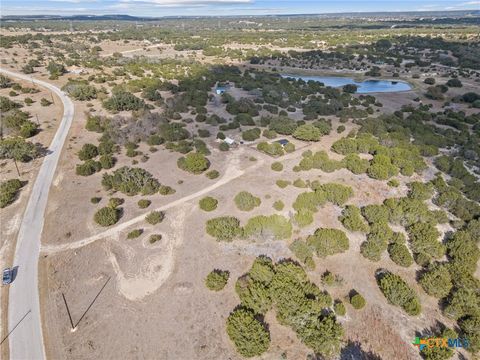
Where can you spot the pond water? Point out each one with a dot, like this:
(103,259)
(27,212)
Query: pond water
(364,87)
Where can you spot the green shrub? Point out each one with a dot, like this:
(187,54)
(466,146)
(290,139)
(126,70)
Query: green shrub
(340,129)
(88,168)
(436,281)
(339,308)
(95,200)
(247,333)
(155,140)
(355,164)
(278,205)
(88,151)
(277,166)
(217,279)
(194,163)
(212,174)
(134,233)
(302,252)
(154,238)
(166,190)
(398,293)
(328,278)
(273,149)
(327,242)
(143,203)
(122,100)
(107,161)
(307,133)
(208,203)
(115,202)
(224,146)
(275,226)
(8,191)
(282,183)
(357,301)
(300,183)
(224,228)
(155,217)
(424,240)
(352,219)
(400,255)
(107,216)
(289,148)
(251,134)
(131,181)
(393,183)
(246,201)
(303,217)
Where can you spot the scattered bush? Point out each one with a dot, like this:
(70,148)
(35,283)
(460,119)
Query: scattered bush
(327,242)
(246,201)
(277,166)
(436,281)
(217,279)
(134,234)
(155,217)
(154,238)
(131,181)
(357,301)
(224,228)
(400,255)
(8,191)
(307,133)
(339,308)
(278,205)
(273,226)
(212,174)
(398,293)
(107,216)
(352,219)
(247,333)
(143,203)
(194,163)
(282,183)
(208,203)
(88,168)
(115,202)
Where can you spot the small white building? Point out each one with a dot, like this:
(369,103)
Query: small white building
(76,70)
(229,141)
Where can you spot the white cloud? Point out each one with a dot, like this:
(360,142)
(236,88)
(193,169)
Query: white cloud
(471,3)
(73,1)
(179,3)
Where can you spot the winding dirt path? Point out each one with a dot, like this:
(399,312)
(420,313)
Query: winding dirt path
(232,173)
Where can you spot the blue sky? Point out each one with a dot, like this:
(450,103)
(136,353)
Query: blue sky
(223,7)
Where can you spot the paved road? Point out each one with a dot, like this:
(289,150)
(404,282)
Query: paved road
(26,341)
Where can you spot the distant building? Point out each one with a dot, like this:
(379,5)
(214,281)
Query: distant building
(76,70)
(229,141)
(221,88)
(283,142)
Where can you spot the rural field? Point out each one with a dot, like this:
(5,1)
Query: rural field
(231,187)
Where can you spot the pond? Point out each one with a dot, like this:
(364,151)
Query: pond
(364,87)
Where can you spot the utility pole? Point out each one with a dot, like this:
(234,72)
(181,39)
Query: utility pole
(53,100)
(36,115)
(68,312)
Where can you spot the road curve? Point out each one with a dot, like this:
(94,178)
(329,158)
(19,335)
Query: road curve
(26,340)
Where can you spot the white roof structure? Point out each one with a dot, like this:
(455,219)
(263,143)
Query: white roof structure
(229,141)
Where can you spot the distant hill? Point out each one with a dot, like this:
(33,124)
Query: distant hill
(120,17)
